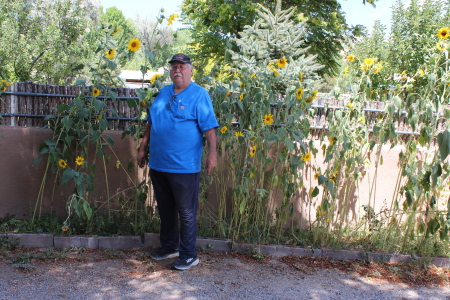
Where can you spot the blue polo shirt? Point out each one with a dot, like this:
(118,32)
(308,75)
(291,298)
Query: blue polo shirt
(178,123)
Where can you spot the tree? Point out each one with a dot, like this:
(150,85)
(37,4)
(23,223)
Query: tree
(43,40)
(273,46)
(414,30)
(216,22)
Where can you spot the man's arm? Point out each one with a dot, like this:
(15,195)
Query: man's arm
(211,160)
(141,158)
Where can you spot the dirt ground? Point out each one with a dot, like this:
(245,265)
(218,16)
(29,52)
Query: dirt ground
(113,274)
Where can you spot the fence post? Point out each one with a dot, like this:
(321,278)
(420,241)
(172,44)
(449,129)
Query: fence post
(13,104)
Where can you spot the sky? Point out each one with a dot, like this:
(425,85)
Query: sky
(355,11)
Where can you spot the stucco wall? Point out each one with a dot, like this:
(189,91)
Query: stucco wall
(20,182)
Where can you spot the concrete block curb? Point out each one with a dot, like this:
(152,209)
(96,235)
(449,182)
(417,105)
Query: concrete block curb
(151,240)
(213,245)
(33,240)
(41,240)
(120,242)
(344,254)
(87,242)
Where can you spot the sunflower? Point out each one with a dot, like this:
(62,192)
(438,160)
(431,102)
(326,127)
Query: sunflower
(143,102)
(271,66)
(299,93)
(282,62)
(110,53)
(116,31)
(362,119)
(134,45)
(276,73)
(332,178)
(441,46)
(350,105)
(268,119)
(314,96)
(4,85)
(251,175)
(237,134)
(171,19)
(364,67)
(444,33)
(227,94)
(79,160)
(369,61)
(99,117)
(346,70)
(253,75)
(351,57)
(377,68)
(62,163)
(224,129)
(332,140)
(252,151)
(241,96)
(95,92)
(154,77)
(300,77)
(305,157)
(420,73)
(316,176)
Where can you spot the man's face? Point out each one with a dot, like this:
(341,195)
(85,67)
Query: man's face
(180,73)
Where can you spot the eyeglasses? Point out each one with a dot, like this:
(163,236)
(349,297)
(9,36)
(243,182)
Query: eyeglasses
(180,67)
(169,104)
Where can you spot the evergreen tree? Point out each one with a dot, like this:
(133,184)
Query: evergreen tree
(274,46)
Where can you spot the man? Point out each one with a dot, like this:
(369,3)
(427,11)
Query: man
(180,116)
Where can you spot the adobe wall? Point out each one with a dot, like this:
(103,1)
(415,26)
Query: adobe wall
(20,182)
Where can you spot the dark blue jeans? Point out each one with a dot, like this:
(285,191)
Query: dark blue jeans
(177,198)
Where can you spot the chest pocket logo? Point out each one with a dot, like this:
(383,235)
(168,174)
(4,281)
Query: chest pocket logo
(181,110)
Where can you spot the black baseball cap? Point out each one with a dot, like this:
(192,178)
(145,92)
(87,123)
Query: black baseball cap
(181,58)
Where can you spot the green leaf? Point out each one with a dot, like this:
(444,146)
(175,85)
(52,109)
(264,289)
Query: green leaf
(150,55)
(114,112)
(80,82)
(77,68)
(112,65)
(272,138)
(62,107)
(315,192)
(112,95)
(67,175)
(99,105)
(322,179)
(447,113)
(432,226)
(37,160)
(95,135)
(67,122)
(397,101)
(103,124)
(443,140)
(131,103)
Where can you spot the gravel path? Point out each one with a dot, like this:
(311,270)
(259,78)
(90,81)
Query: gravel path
(91,276)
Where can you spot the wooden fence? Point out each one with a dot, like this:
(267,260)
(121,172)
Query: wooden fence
(27,104)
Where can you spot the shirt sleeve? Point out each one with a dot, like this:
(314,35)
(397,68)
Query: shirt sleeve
(205,112)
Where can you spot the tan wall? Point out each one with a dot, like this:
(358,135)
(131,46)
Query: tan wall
(20,181)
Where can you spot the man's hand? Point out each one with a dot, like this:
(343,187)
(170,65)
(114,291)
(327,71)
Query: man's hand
(211,162)
(141,158)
